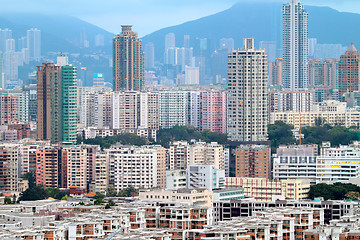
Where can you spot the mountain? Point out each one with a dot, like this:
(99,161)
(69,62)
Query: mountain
(59,33)
(262,21)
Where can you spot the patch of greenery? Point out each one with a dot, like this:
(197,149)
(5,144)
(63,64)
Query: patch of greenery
(336,191)
(186,133)
(125,139)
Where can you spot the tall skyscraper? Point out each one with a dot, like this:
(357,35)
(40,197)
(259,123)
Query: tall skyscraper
(128,61)
(295,46)
(34,44)
(349,71)
(270,49)
(247,89)
(149,56)
(1,71)
(186,41)
(169,41)
(275,72)
(57,102)
(5,34)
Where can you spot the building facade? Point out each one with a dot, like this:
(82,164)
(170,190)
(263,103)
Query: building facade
(128,61)
(247,94)
(295,46)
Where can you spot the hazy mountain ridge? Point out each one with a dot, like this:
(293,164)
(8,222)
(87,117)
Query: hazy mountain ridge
(262,21)
(59,33)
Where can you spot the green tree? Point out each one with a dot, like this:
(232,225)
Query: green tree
(65,198)
(7,200)
(128,192)
(110,204)
(30,177)
(280,133)
(55,193)
(336,191)
(110,191)
(98,201)
(34,193)
(99,196)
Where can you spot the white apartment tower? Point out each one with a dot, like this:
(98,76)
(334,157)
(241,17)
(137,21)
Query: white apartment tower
(34,44)
(295,46)
(247,89)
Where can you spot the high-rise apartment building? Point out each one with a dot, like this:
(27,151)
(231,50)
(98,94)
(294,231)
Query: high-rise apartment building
(57,103)
(10,161)
(75,158)
(191,75)
(207,154)
(9,109)
(275,72)
(133,110)
(47,166)
(247,94)
(132,166)
(349,71)
(5,34)
(34,44)
(172,108)
(295,46)
(194,107)
(169,40)
(1,71)
(179,155)
(128,61)
(213,111)
(253,161)
(149,56)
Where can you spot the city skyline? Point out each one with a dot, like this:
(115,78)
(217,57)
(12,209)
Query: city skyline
(109,14)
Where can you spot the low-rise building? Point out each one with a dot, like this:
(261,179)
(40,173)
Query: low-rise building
(262,189)
(193,197)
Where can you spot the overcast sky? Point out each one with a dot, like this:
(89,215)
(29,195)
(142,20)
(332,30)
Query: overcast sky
(146,15)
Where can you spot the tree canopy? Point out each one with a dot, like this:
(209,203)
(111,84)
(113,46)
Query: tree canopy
(336,191)
(187,133)
(125,139)
(336,135)
(280,133)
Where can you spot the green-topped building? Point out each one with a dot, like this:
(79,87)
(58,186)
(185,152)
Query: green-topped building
(57,101)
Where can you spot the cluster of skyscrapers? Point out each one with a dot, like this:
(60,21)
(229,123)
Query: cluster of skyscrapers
(14,54)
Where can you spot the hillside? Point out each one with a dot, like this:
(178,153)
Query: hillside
(59,33)
(262,21)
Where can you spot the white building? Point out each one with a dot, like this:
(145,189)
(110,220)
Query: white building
(132,166)
(295,162)
(172,108)
(34,44)
(76,166)
(204,176)
(202,153)
(338,164)
(175,179)
(247,94)
(194,109)
(179,155)
(335,164)
(295,46)
(192,75)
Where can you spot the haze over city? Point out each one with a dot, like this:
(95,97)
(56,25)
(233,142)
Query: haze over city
(146,15)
